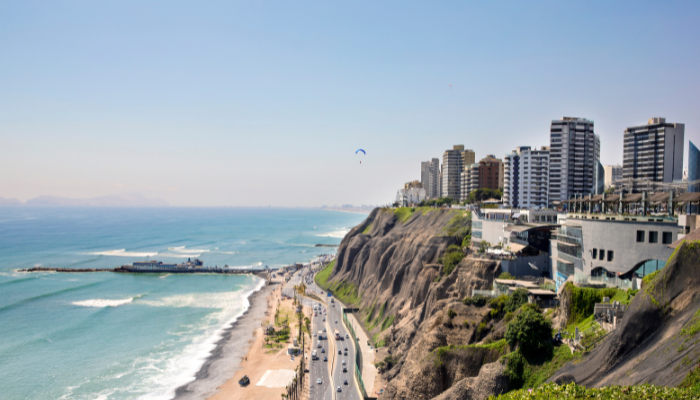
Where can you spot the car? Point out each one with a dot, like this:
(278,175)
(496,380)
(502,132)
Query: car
(324,320)
(319,345)
(343,362)
(345,382)
(346,349)
(347,336)
(339,390)
(314,334)
(324,331)
(340,352)
(318,382)
(345,369)
(346,354)
(323,350)
(325,358)
(336,321)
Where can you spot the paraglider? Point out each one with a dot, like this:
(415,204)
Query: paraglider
(363,152)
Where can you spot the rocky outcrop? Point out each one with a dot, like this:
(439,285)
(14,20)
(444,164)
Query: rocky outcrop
(394,267)
(658,339)
(491,381)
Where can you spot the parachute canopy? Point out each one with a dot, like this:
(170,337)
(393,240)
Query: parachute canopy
(360,150)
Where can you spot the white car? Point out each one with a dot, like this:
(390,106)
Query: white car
(343,362)
(314,334)
(318,382)
(339,389)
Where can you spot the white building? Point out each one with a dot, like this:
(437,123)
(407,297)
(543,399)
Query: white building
(654,151)
(526,178)
(470,180)
(613,174)
(406,197)
(430,177)
(573,159)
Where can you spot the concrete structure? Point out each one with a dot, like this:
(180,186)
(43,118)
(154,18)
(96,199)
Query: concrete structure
(693,167)
(490,172)
(430,177)
(470,181)
(654,152)
(413,185)
(609,250)
(452,172)
(574,155)
(526,180)
(613,174)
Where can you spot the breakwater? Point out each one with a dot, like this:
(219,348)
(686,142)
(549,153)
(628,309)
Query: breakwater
(130,269)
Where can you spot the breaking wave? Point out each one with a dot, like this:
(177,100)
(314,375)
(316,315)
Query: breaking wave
(124,253)
(100,303)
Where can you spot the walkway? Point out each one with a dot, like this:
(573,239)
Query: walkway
(369,371)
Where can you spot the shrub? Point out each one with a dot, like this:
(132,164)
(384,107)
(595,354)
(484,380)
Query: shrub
(477,301)
(583,301)
(497,306)
(508,317)
(450,261)
(515,367)
(451,313)
(505,275)
(515,300)
(531,331)
(466,324)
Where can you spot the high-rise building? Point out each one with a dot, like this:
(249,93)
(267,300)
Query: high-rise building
(654,152)
(452,172)
(470,180)
(599,186)
(468,157)
(693,167)
(613,174)
(573,159)
(526,180)
(430,177)
(490,172)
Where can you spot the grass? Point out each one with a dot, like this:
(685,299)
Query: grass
(403,214)
(368,229)
(500,346)
(388,321)
(536,375)
(693,326)
(574,391)
(345,292)
(324,274)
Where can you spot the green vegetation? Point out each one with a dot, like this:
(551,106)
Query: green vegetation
(324,274)
(692,380)
(388,321)
(436,202)
(345,292)
(476,301)
(368,229)
(531,332)
(403,214)
(515,300)
(574,391)
(459,226)
(453,255)
(647,279)
(505,275)
(451,313)
(583,300)
(483,194)
(497,306)
(693,326)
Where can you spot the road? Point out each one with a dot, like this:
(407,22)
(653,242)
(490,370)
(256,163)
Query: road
(319,368)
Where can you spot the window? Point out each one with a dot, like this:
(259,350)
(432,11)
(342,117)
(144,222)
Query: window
(667,238)
(476,234)
(653,237)
(640,236)
(602,254)
(610,255)
(595,253)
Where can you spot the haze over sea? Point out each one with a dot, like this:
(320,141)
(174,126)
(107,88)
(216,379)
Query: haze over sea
(124,336)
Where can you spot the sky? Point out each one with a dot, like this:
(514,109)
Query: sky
(257,103)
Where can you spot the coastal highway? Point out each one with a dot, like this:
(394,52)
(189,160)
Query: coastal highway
(319,368)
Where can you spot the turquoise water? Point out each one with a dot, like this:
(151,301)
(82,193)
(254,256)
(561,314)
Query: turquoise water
(124,336)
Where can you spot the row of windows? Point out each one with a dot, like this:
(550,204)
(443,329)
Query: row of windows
(600,255)
(476,234)
(666,237)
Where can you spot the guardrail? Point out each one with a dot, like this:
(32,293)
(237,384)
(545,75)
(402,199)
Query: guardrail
(358,356)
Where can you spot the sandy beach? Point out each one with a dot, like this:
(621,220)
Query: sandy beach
(260,359)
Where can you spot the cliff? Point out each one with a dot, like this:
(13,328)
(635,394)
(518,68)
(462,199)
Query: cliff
(658,339)
(389,264)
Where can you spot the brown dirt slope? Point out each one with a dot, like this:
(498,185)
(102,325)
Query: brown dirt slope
(658,340)
(394,266)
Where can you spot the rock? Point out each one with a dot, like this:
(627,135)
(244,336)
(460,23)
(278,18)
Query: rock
(491,381)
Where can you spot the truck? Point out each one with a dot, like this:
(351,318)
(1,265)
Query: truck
(313,355)
(337,335)
(320,335)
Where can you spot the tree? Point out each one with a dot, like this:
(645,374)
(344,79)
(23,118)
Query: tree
(505,275)
(531,331)
(483,194)
(515,300)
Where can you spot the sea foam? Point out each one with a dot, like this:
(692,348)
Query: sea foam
(124,253)
(99,303)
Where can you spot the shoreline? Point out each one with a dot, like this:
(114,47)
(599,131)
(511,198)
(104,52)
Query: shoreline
(224,360)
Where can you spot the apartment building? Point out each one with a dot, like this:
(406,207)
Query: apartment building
(573,159)
(470,180)
(526,178)
(490,172)
(654,151)
(430,177)
(613,174)
(452,172)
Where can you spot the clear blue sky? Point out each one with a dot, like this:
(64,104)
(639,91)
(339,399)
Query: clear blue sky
(257,103)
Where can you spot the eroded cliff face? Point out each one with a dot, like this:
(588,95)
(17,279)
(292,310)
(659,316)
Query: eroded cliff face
(393,265)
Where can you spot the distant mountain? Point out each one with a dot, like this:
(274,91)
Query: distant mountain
(124,200)
(9,202)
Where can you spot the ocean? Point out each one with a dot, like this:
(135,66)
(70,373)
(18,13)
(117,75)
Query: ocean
(134,336)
